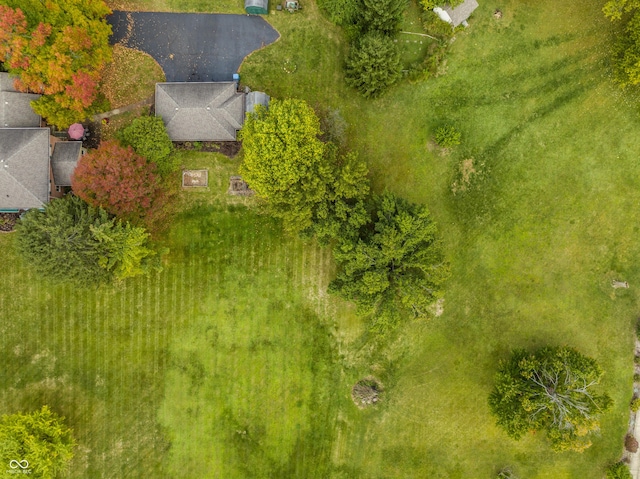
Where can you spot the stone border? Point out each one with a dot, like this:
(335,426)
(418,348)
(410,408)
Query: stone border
(198,178)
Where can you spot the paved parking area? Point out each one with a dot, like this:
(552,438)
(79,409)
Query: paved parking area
(193,46)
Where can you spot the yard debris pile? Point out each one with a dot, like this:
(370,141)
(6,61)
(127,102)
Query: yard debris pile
(366,392)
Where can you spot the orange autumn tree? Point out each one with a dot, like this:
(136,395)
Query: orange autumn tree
(56,48)
(121,182)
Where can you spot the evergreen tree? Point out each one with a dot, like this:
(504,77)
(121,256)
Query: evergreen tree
(373,64)
(72,241)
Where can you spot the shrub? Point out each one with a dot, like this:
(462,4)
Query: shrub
(447,136)
(373,64)
(148,136)
(630,443)
(636,377)
(635,405)
(619,470)
(636,359)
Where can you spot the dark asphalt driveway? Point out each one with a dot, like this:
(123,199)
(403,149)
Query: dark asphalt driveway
(193,46)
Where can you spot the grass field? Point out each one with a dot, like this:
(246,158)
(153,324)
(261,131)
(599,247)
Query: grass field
(234,363)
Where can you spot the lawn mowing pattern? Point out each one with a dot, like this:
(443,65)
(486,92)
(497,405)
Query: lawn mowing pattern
(249,384)
(100,357)
(533,247)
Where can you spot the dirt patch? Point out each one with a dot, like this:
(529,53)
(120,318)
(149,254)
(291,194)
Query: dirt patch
(8,221)
(228,148)
(468,172)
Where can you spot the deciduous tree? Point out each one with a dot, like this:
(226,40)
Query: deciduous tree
(40,438)
(626,51)
(120,181)
(72,241)
(304,181)
(56,48)
(552,389)
(373,64)
(395,264)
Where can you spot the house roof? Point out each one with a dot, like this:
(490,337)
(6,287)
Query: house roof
(64,160)
(256,98)
(211,111)
(24,168)
(6,82)
(462,12)
(16,111)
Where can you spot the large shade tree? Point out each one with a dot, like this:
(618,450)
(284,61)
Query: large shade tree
(553,390)
(307,183)
(627,48)
(39,441)
(57,48)
(72,241)
(394,265)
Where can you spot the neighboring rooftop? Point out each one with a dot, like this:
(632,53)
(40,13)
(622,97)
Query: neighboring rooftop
(457,15)
(211,111)
(15,107)
(64,160)
(24,168)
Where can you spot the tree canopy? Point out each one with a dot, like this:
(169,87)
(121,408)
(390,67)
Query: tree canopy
(304,181)
(40,438)
(56,48)
(147,135)
(394,265)
(382,16)
(72,241)
(373,64)
(552,389)
(626,52)
(122,182)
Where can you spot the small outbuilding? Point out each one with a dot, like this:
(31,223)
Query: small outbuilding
(458,15)
(256,98)
(256,7)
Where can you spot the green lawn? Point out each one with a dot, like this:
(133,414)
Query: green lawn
(233,362)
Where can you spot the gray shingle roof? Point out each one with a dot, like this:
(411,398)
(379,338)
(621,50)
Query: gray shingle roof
(256,98)
(462,12)
(24,168)
(200,111)
(64,160)
(16,111)
(6,82)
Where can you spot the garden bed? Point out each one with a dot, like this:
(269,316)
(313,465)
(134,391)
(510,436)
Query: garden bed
(8,221)
(227,148)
